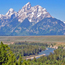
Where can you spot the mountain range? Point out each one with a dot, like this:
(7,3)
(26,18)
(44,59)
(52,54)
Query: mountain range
(30,21)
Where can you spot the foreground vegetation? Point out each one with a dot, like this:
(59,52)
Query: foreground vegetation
(8,58)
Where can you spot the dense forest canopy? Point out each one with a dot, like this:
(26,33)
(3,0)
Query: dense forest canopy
(27,49)
(7,57)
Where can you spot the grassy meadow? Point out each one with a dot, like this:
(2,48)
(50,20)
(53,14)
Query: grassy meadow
(41,39)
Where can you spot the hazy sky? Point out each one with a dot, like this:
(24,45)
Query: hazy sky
(55,7)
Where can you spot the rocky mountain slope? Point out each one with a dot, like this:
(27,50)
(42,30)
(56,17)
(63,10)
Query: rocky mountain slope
(30,21)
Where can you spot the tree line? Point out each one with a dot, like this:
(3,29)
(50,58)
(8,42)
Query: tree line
(26,49)
(7,57)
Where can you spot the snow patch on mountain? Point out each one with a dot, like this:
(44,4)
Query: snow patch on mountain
(64,21)
(1,15)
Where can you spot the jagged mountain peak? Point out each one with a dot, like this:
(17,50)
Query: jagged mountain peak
(34,14)
(28,3)
(10,11)
(27,6)
(39,8)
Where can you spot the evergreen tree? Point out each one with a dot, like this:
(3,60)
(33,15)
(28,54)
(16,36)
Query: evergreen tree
(20,60)
(6,55)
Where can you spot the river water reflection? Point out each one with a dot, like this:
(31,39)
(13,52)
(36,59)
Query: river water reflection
(47,51)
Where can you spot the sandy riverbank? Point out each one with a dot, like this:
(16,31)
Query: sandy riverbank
(31,57)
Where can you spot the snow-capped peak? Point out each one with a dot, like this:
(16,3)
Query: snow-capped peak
(11,11)
(28,3)
(26,7)
(34,14)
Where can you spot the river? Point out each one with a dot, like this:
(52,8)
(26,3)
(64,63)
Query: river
(45,53)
